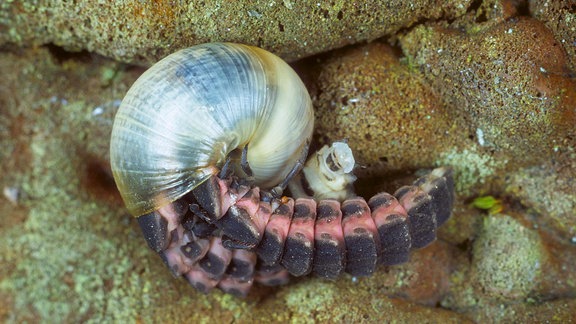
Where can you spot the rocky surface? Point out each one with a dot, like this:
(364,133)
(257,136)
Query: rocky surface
(145,31)
(490,92)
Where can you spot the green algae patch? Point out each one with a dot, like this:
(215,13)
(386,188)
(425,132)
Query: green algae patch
(314,297)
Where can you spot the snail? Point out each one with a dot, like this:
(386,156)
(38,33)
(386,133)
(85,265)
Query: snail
(205,143)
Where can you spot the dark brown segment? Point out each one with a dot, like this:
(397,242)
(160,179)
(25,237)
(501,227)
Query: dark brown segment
(393,229)
(441,199)
(216,260)
(271,246)
(202,229)
(360,236)
(234,287)
(271,275)
(196,249)
(395,240)
(155,230)
(329,246)
(299,246)
(245,221)
(238,226)
(208,196)
(421,215)
(439,184)
(448,173)
(241,267)
(442,193)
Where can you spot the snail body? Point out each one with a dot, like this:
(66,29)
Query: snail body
(201,144)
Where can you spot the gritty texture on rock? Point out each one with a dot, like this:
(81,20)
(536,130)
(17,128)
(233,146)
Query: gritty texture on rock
(560,17)
(550,190)
(507,80)
(513,269)
(508,259)
(145,31)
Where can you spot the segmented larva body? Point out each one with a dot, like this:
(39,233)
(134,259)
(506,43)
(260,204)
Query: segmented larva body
(204,144)
(257,238)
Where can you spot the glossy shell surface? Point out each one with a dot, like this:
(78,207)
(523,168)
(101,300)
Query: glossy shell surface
(182,117)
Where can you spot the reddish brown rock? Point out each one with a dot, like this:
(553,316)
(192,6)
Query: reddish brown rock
(388,114)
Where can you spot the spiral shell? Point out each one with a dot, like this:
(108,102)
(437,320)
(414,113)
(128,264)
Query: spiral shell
(184,116)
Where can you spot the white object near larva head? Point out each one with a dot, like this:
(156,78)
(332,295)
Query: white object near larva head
(328,173)
(184,116)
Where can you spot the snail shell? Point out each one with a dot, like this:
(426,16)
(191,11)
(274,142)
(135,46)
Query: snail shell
(184,116)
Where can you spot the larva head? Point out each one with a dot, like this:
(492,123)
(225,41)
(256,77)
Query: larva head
(329,172)
(183,117)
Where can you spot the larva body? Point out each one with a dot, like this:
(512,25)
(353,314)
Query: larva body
(302,236)
(202,147)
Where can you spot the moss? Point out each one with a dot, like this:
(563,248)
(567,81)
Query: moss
(507,259)
(312,302)
(470,168)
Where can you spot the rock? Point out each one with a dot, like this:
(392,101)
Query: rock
(145,31)
(510,270)
(391,118)
(560,18)
(507,81)
(507,259)
(550,190)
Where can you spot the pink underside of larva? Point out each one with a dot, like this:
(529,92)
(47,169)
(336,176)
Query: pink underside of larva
(273,278)
(380,214)
(251,203)
(200,279)
(330,225)
(235,287)
(262,218)
(259,211)
(177,262)
(229,197)
(171,216)
(217,249)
